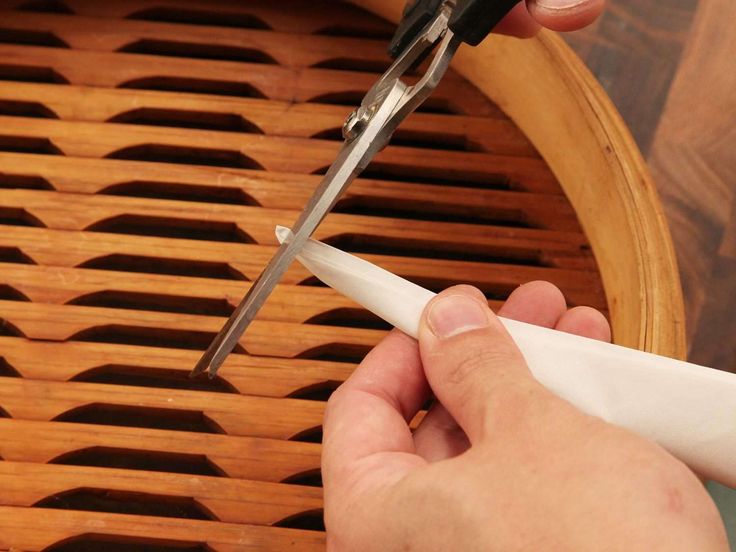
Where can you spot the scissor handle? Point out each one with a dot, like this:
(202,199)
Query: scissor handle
(471,20)
(415,17)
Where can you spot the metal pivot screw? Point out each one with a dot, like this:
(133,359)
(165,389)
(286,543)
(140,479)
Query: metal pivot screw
(356,123)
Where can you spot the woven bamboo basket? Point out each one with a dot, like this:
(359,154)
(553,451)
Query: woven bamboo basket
(147,150)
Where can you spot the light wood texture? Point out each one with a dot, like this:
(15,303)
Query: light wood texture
(134,142)
(218,413)
(469,132)
(158,292)
(256,224)
(189,331)
(167,367)
(245,261)
(319,17)
(173,293)
(283,190)
(61,525)
(288,49)
(235,456)
(228,78)
(27,484)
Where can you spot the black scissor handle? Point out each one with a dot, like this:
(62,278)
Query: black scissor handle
(416,16)
(471,20)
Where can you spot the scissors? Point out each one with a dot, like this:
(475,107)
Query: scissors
(366,131)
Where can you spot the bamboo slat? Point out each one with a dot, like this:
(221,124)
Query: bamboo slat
(73,527)
(61,285)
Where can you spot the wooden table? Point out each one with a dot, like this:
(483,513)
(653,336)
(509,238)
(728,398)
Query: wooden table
(670,69)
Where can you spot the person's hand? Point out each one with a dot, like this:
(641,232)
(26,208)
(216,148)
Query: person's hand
(499,463)
(559,15)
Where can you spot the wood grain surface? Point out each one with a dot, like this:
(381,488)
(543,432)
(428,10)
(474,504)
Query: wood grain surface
(634,50)
(670,69)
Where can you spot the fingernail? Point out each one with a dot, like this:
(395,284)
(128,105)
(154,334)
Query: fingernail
(455,314)
(559,5)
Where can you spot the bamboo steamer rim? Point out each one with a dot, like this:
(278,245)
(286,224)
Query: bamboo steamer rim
(549,93)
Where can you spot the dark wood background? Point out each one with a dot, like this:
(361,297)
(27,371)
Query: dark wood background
(670,68)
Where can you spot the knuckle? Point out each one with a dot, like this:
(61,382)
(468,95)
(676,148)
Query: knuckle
(471,374)
(472,363)
(333,401)
(470,366)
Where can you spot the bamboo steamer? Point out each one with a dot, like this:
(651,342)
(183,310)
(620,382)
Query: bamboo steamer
(147,150)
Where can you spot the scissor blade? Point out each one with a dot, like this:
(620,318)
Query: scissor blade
(324,197)
(350,161)
(243,315)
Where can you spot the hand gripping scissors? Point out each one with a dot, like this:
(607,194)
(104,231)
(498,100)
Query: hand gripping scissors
(367,131)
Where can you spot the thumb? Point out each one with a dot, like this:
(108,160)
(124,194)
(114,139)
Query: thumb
(473,366)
